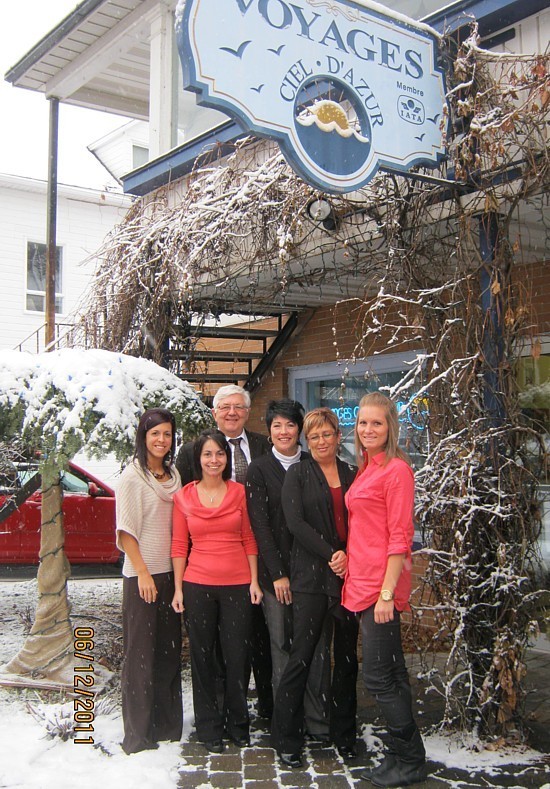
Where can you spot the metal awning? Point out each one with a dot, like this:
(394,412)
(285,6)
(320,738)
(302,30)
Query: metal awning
(97,57)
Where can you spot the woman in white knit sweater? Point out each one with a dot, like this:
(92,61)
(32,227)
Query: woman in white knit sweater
(151,671)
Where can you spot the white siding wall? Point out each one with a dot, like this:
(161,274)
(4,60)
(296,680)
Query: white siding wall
(84,217)
(114,150)
(531,35)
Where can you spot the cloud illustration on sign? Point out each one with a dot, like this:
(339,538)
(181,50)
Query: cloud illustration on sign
(328,116)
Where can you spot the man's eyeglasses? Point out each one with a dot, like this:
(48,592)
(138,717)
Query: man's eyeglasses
(314,439)
(225,409)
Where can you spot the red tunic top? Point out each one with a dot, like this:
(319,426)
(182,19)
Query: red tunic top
(380,506)
(221,537)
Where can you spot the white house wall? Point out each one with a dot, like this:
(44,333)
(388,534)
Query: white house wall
(115,149)
(531,35)
(84,218)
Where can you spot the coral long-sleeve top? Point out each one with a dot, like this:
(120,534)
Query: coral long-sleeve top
(221,537)
(380,506)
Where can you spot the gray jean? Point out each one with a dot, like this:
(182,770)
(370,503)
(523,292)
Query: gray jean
(317,695)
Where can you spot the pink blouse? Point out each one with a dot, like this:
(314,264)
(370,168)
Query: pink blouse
(221,537)
(380,506)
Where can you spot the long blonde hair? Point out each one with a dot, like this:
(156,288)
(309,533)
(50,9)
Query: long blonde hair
(392,448)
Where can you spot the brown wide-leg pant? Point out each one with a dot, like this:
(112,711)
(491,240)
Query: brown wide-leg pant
(151,673)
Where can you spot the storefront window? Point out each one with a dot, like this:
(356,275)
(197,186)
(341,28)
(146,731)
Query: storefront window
(327,385)
(534,398)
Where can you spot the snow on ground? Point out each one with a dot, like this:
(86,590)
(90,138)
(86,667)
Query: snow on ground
(30,759)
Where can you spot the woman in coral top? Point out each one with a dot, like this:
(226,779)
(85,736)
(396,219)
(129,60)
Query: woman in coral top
(217,578)
(378,581)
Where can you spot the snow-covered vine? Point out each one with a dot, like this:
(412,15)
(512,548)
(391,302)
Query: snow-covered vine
(237,234)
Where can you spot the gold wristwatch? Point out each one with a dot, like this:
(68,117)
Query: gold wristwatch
(386,595)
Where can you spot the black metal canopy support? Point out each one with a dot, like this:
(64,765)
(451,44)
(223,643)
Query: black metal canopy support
(268,360)
(492,295)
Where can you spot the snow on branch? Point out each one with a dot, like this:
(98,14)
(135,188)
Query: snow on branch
(65,400)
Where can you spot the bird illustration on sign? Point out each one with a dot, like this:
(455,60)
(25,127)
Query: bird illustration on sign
(237,52)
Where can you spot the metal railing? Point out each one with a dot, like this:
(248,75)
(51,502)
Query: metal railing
(35,342)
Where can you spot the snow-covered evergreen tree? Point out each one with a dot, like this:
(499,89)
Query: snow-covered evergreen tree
(59,403)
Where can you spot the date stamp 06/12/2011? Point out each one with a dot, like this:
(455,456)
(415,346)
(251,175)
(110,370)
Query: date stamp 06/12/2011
(84,681)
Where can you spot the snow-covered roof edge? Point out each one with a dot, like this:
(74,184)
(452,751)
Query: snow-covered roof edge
(370,5)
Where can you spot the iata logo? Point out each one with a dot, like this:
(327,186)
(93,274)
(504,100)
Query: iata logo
(412,111)
(343,88)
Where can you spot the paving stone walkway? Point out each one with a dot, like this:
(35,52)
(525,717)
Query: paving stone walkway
(257,767)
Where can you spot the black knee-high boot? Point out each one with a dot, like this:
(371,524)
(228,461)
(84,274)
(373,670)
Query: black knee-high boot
(404,764)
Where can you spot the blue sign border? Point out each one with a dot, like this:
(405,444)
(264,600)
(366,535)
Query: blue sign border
(201,89)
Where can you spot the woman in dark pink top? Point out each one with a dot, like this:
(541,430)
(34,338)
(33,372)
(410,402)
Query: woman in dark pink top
(218,578)
(378,581)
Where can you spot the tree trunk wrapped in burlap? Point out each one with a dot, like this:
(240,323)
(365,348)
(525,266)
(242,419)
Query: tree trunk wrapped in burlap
(48,650)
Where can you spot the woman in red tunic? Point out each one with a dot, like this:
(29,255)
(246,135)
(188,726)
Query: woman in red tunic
(378,580)
(217,580)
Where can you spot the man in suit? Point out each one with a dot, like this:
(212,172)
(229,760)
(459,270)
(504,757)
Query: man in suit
(231,409)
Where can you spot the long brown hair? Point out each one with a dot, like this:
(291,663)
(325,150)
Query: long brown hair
(215,435)
(392,448)
(149,419)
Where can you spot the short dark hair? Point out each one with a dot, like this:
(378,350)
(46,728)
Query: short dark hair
(149,419)
(289,409)
(218,437)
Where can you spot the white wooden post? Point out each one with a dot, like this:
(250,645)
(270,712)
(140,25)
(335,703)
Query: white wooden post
(163,96)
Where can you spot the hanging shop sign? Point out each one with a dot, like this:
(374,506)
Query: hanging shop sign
(344,86)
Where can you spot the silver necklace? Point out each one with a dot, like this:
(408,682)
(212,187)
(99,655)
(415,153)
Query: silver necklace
(211,497)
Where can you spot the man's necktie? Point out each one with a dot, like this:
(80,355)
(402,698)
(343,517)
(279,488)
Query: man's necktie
(239,460)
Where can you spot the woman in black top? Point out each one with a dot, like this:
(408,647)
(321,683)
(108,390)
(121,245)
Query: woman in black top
(264,483)
(314,509)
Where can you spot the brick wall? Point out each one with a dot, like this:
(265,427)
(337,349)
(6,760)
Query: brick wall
(332,330)
(323,335)
(533,293)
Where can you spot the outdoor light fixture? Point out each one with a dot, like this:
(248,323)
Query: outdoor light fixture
(321,211)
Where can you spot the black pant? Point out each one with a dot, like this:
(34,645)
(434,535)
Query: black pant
(151,673)
(260,657)
(223,611)
(384,670)
(309,612)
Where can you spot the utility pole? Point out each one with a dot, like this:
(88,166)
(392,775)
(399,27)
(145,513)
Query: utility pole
(51,225)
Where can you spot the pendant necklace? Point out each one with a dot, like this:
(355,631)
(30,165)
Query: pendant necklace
(210,497)
(157,476)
